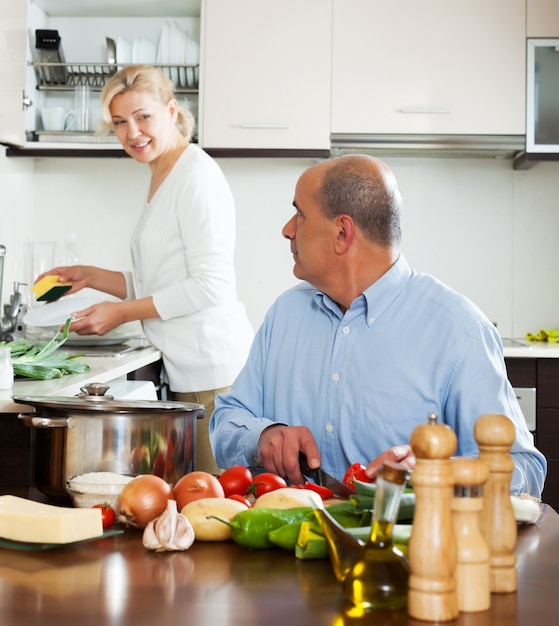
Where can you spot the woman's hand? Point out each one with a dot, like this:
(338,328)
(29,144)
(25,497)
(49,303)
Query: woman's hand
(98,319)
(75,274)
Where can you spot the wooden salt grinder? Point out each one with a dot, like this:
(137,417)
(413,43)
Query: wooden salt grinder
(495,435)
(432,548)
(472,566)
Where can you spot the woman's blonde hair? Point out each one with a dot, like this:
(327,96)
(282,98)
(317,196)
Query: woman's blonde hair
(143,78)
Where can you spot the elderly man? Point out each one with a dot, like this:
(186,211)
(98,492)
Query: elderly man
(350,361)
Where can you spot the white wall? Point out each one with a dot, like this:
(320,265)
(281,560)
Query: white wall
(477,224)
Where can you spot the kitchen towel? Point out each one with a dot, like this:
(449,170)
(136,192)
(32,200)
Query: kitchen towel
(551,336)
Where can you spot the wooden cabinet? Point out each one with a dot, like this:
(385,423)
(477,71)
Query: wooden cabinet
(429,67)
(266,74)
(542,18)
(544,375)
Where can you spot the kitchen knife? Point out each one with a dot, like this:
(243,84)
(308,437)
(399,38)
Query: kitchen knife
(320,477)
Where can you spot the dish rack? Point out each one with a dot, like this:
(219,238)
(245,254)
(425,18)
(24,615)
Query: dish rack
(66,76)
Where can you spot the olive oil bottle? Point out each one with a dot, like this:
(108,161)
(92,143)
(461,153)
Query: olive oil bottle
(378,578)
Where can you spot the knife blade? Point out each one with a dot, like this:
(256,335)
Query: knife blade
(320,477)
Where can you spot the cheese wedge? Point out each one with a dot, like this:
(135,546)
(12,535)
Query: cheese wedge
(35,522)
(49,289)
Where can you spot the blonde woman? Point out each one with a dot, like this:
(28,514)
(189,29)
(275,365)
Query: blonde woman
(183,284)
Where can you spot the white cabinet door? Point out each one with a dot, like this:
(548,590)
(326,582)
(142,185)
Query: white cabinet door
(542,18)
(429,67)
(13,57)
(266,74)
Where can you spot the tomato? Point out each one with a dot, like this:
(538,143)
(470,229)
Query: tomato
(240,498)
(265,482)
(235,480)
(108,514)
(356,470)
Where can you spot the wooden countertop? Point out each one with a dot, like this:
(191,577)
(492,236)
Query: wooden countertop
(116,582)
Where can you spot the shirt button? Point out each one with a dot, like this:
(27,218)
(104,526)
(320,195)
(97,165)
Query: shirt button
(371,320)
(329,428)
(335,377)
(345,330)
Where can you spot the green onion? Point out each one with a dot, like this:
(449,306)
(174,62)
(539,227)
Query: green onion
(41,360)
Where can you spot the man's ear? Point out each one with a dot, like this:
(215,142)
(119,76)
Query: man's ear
(346,233)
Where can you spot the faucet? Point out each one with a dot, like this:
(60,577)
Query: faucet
(10,323)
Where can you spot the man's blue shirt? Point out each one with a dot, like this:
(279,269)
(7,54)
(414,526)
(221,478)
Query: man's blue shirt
(362,381)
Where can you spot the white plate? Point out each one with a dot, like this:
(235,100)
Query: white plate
(123,51)
(114,338)
(54,314)
(164,42)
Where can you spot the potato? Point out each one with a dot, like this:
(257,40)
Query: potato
(288,498)
(200,513)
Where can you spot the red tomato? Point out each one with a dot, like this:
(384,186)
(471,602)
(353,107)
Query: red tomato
(356,470)
(108,514)
(235,480)
(265,482)
(240,498)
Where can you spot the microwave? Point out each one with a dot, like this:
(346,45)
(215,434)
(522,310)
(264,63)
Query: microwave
(542,102)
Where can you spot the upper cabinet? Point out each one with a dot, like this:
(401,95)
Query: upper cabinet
(266,74)
(429,67)
(13,45)
(96,37)
(542,18)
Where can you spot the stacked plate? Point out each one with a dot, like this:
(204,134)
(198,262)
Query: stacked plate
(178,50)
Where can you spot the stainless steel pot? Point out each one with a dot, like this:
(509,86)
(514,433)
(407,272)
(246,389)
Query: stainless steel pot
(93,432)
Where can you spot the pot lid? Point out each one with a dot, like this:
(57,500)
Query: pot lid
(93,398)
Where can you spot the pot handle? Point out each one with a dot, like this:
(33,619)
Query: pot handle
(36,421)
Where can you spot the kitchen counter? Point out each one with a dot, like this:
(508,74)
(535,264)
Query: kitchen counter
(530,349)
(116,581)
(103,369)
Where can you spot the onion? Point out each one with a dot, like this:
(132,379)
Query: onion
(197,485)
(143,499)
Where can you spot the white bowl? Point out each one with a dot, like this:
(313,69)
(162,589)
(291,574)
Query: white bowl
(87,490)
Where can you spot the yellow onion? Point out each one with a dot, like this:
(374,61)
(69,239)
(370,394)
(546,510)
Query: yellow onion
(143,499)
(195,486)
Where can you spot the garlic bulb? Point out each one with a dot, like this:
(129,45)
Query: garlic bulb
(170,531)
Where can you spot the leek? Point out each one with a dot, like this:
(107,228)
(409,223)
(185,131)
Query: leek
(42,360)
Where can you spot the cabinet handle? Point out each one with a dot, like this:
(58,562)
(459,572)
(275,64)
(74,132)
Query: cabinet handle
(265,126)
(414,110)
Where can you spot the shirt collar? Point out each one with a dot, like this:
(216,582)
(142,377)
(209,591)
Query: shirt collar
(378,296)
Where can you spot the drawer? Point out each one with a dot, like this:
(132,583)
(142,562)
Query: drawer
(551,489)
(521,372)
(547,432)
(548,383)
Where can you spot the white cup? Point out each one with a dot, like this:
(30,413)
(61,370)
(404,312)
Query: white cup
(56,118)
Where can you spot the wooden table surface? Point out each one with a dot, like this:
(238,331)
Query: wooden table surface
(116,582)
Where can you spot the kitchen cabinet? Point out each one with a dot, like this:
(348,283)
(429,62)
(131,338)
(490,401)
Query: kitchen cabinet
(542,18)
(428,67)
(544,375)
(266,75)
(83,28)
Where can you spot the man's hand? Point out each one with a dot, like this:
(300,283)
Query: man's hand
(279,447)
(400,454)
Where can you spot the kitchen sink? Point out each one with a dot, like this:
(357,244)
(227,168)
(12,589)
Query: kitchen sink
(514,343)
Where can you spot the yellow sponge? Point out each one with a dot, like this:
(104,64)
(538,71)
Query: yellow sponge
(49,289)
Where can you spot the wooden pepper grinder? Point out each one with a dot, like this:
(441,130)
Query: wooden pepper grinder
(472,553)
(432,547)
(495,436)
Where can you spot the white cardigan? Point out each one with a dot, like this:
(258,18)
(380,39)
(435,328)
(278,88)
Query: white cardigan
(183,256)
